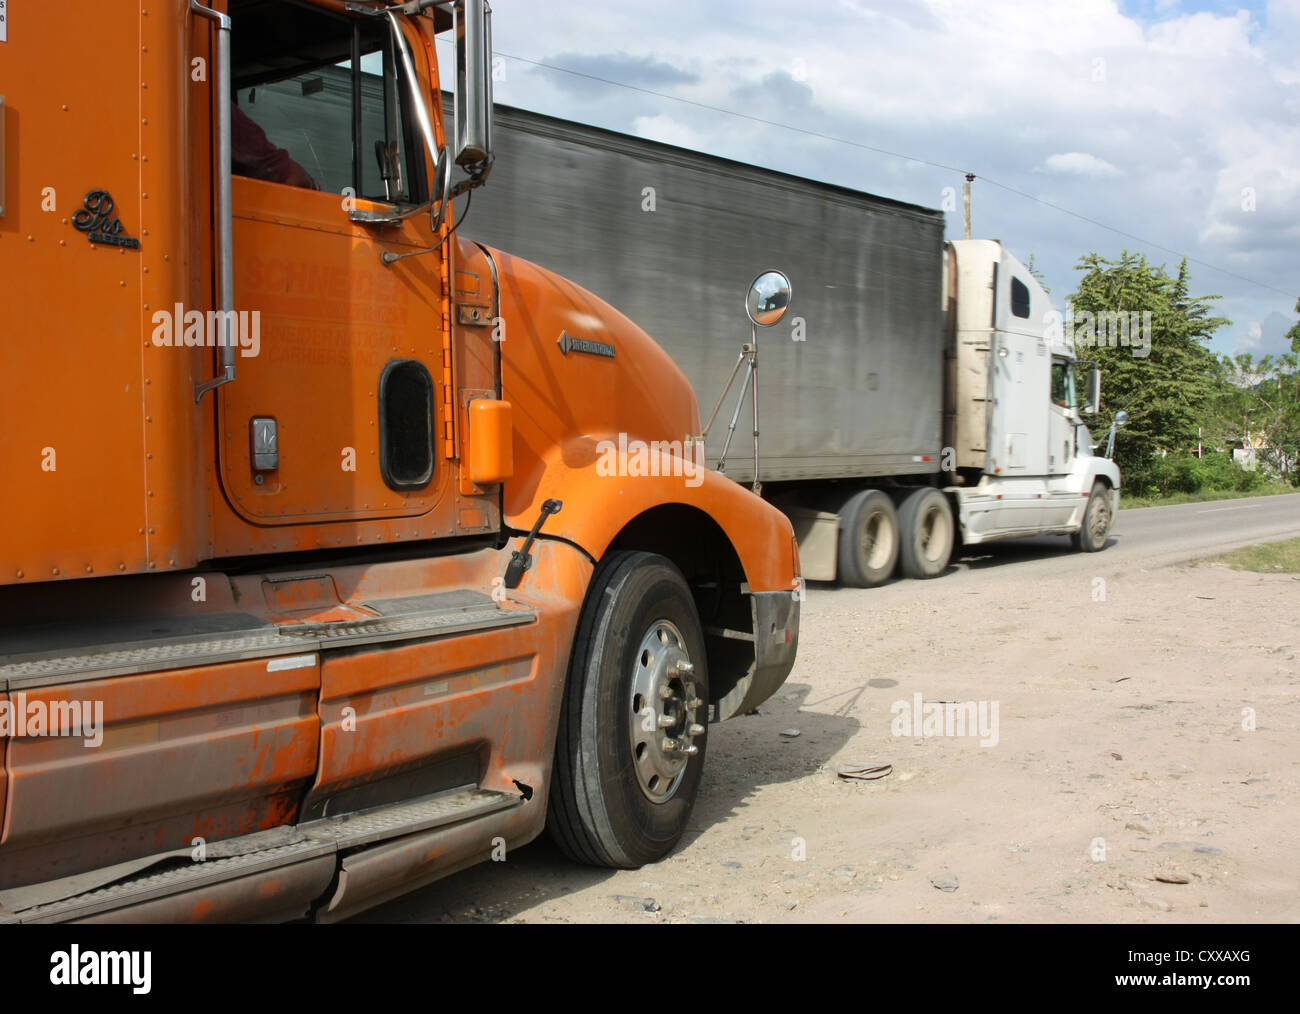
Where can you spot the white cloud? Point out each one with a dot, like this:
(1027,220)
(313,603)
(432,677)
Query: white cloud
(668,130)
(1154,127)
(1079,163)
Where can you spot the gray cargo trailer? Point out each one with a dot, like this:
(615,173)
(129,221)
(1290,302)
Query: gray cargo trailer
(914,394)
(673,238)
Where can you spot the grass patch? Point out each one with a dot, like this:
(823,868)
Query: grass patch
(1200,496)
(1269,558)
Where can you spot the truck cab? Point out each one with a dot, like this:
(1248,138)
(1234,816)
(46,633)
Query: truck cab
(1016,396)
(313,576)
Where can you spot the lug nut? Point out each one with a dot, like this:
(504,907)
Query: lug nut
(694,703)
(691,750)
(666,720)
(665,691)
(669,744)
(696,730)
(684,666)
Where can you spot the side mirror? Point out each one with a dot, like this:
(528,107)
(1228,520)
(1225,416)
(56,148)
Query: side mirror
(473,83)
(768,298)
(1093,405)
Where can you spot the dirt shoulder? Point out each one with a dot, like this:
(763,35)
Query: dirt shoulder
(1122,757)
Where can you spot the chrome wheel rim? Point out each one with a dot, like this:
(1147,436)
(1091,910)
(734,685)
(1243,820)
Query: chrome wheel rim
(663,712)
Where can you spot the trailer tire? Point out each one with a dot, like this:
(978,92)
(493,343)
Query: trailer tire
(868,549)
(927,525)
(1097,519)
(619,797)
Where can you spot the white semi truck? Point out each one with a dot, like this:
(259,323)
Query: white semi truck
(919,395)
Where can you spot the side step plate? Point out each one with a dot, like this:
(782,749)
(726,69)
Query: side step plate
(329,836)
(450,613)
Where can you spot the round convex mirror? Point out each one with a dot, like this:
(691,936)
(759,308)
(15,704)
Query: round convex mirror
(768,298)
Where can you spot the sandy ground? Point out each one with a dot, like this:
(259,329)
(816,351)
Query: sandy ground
(1121,757)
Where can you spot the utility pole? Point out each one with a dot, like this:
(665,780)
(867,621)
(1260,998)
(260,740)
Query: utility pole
(970,178)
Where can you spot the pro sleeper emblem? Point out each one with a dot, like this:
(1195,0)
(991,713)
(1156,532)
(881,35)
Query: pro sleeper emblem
(97,219)
(569,344)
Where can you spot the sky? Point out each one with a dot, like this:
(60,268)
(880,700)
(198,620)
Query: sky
(1176,122)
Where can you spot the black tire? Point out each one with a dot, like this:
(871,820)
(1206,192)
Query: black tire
(927,526)
(1097,519)
(601,809)
(868,544)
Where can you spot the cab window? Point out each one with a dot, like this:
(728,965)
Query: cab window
(319,102)
(1063,384)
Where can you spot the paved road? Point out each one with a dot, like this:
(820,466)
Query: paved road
(1151,536)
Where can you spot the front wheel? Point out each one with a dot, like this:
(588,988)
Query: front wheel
(1097,519)
(629,750)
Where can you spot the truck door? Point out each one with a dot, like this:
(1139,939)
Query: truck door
(1060,502)
(1020,368)
(322,125)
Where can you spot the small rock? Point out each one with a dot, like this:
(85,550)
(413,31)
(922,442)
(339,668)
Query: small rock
(790,906)
(1137,827)
(1184,846)
(1172,877)
(628,901)
(945,882)
(1117,756)
(790,733)
(731,864)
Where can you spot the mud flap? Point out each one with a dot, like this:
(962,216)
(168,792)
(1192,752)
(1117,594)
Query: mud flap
(776,640)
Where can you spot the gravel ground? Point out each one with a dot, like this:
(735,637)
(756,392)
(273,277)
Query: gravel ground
(1125,784)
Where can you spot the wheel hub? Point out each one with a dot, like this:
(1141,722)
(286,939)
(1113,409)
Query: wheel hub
(664,712)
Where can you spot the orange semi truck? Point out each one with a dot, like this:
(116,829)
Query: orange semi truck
(341,552)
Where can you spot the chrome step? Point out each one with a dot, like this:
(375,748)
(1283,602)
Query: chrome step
(230,859)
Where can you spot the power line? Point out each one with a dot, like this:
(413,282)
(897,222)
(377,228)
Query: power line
(892,154)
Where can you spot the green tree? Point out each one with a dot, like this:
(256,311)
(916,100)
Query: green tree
(1168,387)
(1263,398)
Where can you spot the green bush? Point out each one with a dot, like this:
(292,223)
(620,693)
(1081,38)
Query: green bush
(1160,476)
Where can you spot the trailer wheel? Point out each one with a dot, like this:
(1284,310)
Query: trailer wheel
(1097,519)
(868,549)
(926,521)
(629,750)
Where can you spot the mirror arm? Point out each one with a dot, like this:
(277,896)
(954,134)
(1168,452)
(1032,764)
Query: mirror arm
(477,178)
(379,218)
